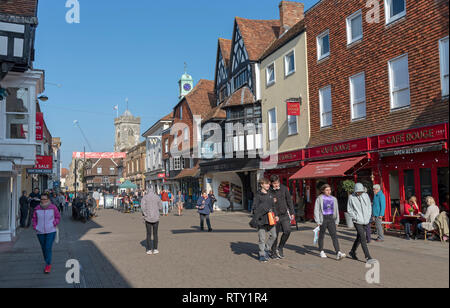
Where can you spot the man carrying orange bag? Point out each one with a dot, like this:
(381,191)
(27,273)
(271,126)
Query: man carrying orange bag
(264,220)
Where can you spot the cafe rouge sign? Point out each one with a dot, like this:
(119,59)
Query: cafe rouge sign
(413,136)
(354,146)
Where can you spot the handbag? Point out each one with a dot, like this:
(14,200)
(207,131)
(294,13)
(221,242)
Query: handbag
(272,221)
(293,220)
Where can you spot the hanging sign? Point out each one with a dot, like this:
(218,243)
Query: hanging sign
(39,126)
(293,108)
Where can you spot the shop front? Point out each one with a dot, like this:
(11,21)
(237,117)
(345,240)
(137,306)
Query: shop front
(414,163)
(407,163)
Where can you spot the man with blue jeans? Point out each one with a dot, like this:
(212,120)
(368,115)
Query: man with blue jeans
(205,208)
(165,202)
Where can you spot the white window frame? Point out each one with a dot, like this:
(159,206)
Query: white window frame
(166,146)
(388,8)
(443,58)
(268,81)
(319,45)
(289,118)
(321,105)
(286,66)
(392,90)
(354,102)
(28,115)
(273,127)
(177,163)
(186,134)
(350,39)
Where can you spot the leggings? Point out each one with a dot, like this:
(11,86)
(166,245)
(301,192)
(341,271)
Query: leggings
(330,224)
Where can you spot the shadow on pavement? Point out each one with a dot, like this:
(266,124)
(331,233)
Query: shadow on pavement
(196,229)
(22,265)
(249,249)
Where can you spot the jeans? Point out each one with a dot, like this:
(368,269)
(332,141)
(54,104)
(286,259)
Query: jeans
(266,243)
(165,205)
(361,240)
(330,224)
(152,228)
(202,221)
(284,225)
(408,223)
(379,226)
(369,232)
(250,205)
(46,241)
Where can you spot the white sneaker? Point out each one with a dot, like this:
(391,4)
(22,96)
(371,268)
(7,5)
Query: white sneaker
(323,255)
(149,252)
(155,252)
(340,256)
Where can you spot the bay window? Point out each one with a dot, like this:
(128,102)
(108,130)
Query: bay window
(17,114)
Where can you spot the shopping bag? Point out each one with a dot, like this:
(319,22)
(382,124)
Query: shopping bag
(316,235)
(57,236)
(272,221)
(293,221)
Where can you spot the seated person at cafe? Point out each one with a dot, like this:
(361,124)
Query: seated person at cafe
(430,216)
(410,208)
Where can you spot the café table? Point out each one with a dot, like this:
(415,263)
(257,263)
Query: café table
(414,220)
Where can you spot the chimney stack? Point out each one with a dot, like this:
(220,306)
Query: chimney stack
(290,14)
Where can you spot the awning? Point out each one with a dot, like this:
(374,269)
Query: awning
(328,168)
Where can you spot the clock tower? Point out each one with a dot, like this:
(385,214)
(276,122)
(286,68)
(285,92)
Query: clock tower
(186,84)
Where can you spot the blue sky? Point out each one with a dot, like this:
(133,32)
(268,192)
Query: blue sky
(128,49)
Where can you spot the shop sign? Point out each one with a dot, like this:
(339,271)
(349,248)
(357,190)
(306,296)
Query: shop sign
(413,150)
(44,163)
(293,108)
(290,157)
(88,155)
(39,126)
(356,146)
(414,136)
(161,175)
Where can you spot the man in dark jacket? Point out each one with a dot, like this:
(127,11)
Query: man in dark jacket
(205,208)
(24,209)
(264,204)
(35,200)
(284,209)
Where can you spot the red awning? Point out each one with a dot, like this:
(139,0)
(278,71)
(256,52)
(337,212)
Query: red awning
(327,169)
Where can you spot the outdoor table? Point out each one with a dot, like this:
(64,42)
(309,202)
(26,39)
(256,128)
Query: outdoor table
(414,220)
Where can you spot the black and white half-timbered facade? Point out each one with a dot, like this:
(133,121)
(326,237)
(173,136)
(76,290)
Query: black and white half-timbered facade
(235,172)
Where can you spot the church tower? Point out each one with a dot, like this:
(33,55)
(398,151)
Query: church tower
(128,131)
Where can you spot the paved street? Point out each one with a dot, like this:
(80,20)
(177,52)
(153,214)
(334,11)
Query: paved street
(112,254)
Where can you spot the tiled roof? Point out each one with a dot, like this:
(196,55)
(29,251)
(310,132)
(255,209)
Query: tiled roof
(225,48)
(201,99)
(241,97)
(19,7)
(216,113)
(258,35)
(284,39)
(168,117)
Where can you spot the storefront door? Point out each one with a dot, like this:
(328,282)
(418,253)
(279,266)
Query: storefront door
(5,203)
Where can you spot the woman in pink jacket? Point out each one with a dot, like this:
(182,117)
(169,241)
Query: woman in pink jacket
(45,219)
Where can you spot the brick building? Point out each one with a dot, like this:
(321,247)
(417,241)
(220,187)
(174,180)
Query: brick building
(102,174)
(378,94)
(134,165)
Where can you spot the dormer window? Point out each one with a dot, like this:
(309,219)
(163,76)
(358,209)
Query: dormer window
(240,79)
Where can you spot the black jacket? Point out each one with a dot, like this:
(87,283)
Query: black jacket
(262,205)
(284,201)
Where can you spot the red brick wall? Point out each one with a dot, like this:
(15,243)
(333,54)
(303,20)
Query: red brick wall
(19,7)
(187,119)
(417,34)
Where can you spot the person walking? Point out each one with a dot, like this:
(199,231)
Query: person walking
(46,218)
(284,209)
(264,203)
(360,210)
(61,202)
(35,199)
(378,211)
(326,215)
(230,198)
(150,206)
(24,209)
(205,208)
(165,202)
(213,199)
(96,196)
(179,201)
(250,198)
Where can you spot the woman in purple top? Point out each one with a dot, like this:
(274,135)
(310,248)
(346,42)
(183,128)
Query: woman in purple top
(326,215)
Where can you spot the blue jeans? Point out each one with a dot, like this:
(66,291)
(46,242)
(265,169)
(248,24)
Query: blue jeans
(165,207)
(46,241)
(250,204)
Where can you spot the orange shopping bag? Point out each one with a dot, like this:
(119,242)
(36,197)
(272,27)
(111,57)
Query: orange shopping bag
(272,221)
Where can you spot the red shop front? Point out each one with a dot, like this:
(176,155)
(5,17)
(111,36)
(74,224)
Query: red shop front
(333,164)
(413,163)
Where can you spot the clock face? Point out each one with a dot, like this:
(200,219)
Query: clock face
(187,87)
